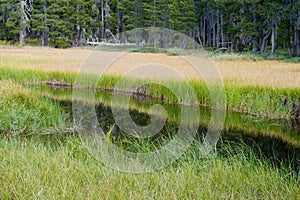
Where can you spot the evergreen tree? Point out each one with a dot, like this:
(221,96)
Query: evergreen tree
(39,20)
(237,25)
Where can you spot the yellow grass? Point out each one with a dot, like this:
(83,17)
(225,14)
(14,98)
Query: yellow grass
(263,73)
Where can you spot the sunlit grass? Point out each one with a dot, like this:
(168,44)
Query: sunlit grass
(246,71)
(59,166)
(30,168)
(23,112)
(255,100)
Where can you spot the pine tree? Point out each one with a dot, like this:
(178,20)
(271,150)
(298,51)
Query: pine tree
(16,14)
(39,20)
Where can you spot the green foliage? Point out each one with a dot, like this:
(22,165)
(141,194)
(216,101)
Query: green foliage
(182,11)
(244,24)
(11,20)
(35,167)
(23,113)
(260,101)
(32,42)
(60,42)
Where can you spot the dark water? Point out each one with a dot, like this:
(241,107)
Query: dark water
(277,140)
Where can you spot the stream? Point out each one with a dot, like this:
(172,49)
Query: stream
(277,140)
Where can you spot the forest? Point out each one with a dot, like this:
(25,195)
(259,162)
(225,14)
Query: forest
(237,25)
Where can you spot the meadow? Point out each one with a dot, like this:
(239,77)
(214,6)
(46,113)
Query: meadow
(41,155)
(43,162)
(234,69)
(265,88)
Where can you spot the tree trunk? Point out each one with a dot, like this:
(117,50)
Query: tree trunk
(214,30)
(22,37)
(102,20)
(295,42)
(44,38)
(240,44)
(255,42)
(119,25)
(22,22)
(223,37)
(209,32)
(204,33)
(44,33)
(296,30)
(199,38)
(154,13)
(264,42)
(274,37)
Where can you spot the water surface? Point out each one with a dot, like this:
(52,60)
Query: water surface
(278,140)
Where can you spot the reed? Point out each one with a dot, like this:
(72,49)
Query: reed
(60,166)
(21,112)
(30,168)
(255,100)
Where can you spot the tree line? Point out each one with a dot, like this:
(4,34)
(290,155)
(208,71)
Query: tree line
(237,25)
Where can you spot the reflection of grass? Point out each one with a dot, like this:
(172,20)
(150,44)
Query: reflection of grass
(234,121)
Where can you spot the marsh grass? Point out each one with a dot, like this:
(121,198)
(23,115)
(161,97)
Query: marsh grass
(60,167)
(254,100)
(34,76)
(32,169)
(22,112)
(274,128)
(261,72)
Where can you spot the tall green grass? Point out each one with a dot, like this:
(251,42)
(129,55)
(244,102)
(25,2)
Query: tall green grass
(33,76)
(58,166)
(255,100)
(22,112)
(31,169)
(263,101)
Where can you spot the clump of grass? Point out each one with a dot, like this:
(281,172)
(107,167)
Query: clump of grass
(22,112)
(262,101)
(170,52)
(33,76)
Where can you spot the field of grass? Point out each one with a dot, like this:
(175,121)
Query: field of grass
(259,101)
(59,166)
(34,169)
(270,73)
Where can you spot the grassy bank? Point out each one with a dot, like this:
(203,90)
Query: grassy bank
(219,55)
(255,100)
(31,169)
(22,112)
(59,166)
